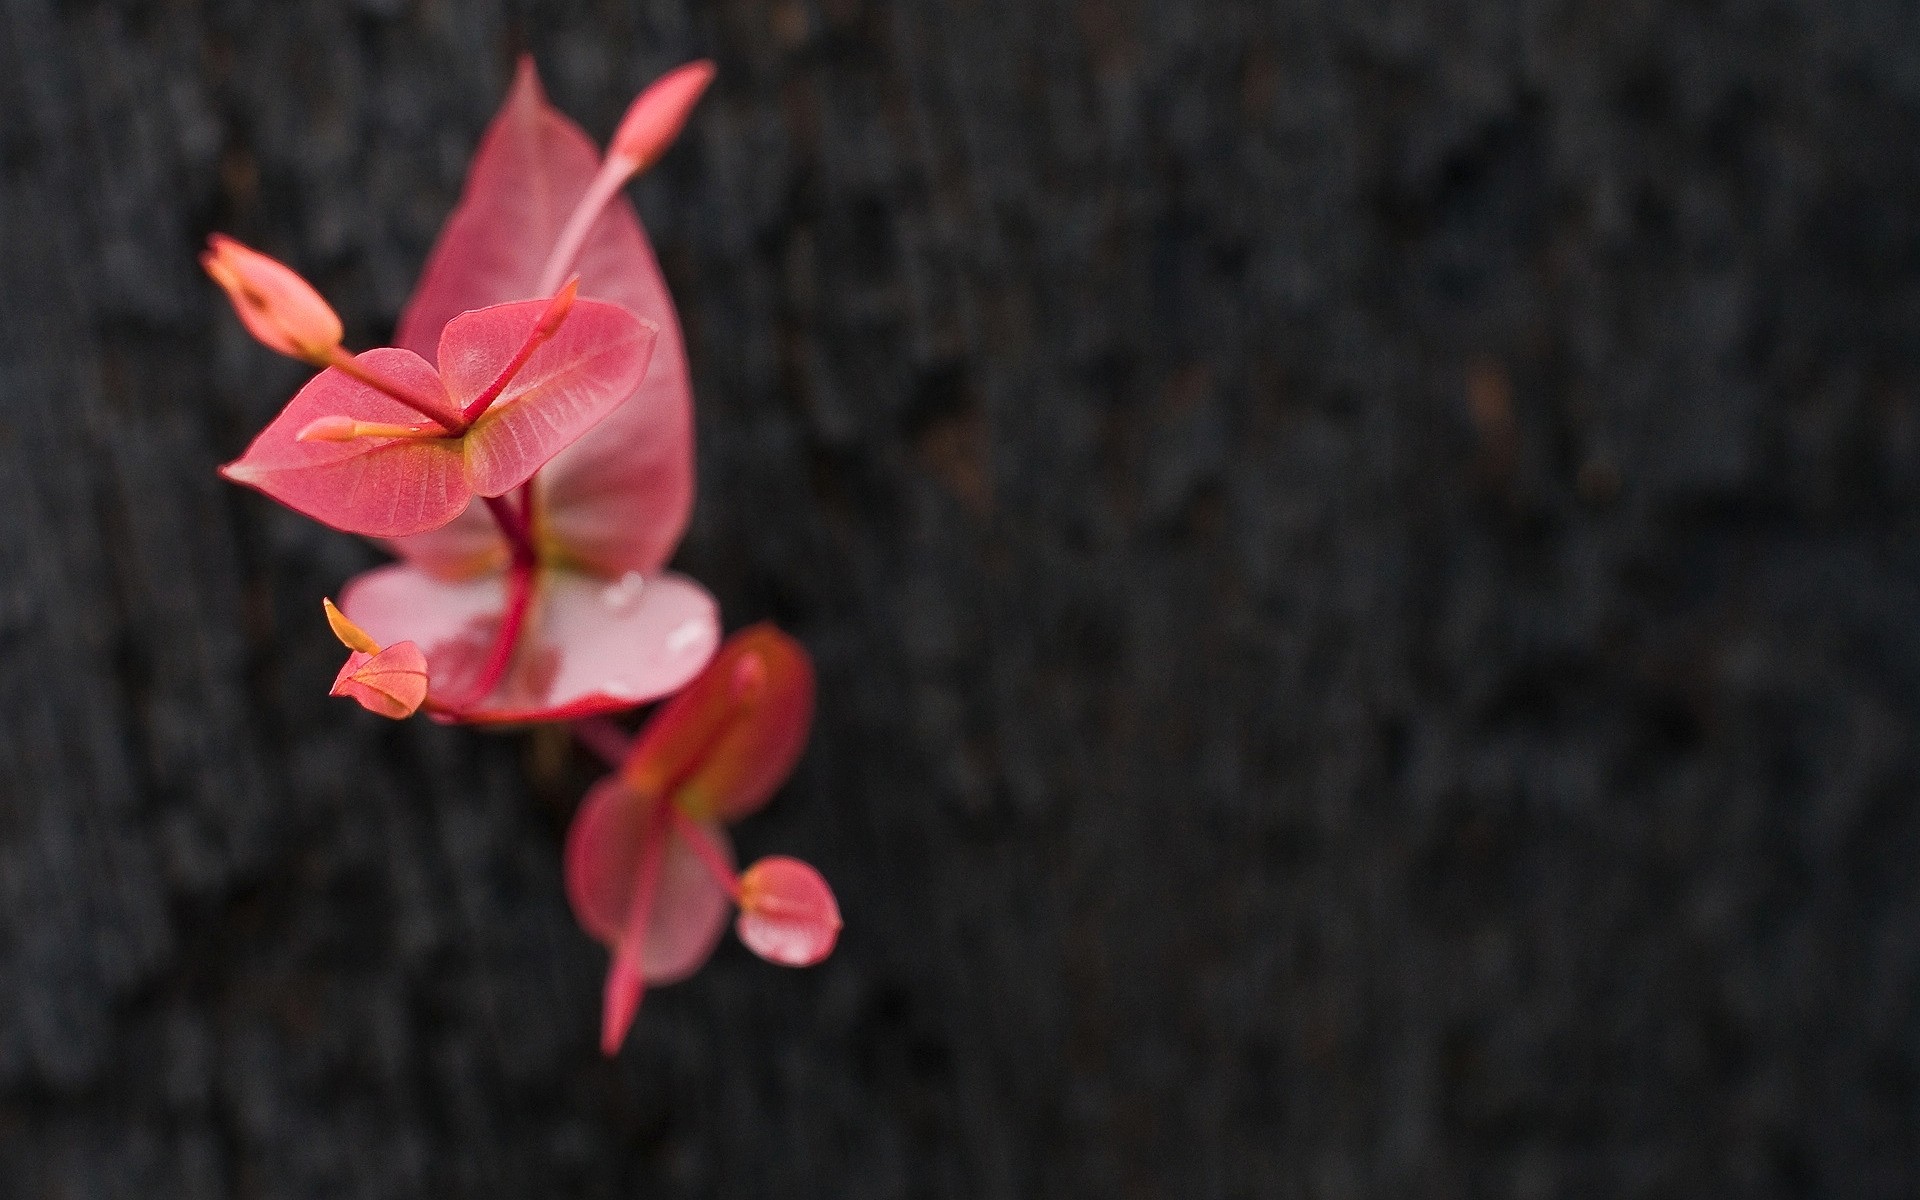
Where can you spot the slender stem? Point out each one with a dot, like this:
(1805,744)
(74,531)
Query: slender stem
(613,176)
(439,411)
(513,526)
(633,940)
(519,601)
(626,978)
(548,324)
(704,850)
(606,739)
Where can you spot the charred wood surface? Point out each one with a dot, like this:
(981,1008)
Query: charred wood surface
(1361,556)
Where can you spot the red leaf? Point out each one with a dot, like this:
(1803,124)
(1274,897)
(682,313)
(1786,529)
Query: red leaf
(380,487)
(618,499)
(589,646)
(722,746)
(592,363)
(689,908)
(787,912)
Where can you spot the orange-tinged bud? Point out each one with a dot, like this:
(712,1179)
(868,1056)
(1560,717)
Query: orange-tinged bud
(390,681)
(657,115)
(277,306)
(351,636)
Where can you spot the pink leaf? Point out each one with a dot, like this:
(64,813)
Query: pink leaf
(689,908)
(787,912)
(391,683)
(618,499)
(593,362)
(380,487)
(590,646)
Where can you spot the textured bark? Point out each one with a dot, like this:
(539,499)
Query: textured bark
(1361,557)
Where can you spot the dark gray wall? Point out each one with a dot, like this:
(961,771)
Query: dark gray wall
(1362,558)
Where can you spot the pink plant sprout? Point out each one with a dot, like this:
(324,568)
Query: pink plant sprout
(649,867)
(540,370)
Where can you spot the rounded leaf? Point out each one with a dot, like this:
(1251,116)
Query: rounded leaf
(787,912)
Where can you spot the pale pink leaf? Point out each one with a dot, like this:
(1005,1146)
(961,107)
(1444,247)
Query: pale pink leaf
(787,912)
(590,645)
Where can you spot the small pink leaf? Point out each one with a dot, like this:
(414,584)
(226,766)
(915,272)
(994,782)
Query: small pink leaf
(593,362)
(689,909)
(392,683)
(590,646)
(787,912)
(378,487)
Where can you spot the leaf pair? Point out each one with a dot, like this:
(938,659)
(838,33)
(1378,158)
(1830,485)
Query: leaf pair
(649,869)
(609,627)
(517,383)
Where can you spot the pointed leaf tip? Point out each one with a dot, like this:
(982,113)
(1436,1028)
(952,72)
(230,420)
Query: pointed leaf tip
(619,1005)
(658,114)
(392,683)
(787,912)
(278,307)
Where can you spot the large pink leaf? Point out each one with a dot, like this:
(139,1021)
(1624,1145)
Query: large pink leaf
(689,908)
(590,645)
(618,499)
(380,487)
(591,363)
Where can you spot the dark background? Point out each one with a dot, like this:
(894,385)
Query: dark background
(1361,555)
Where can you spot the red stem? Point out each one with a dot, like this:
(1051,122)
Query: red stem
(548,324)
(519,601)
(513,525)
(440,412)
(627,978)
(704,850)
